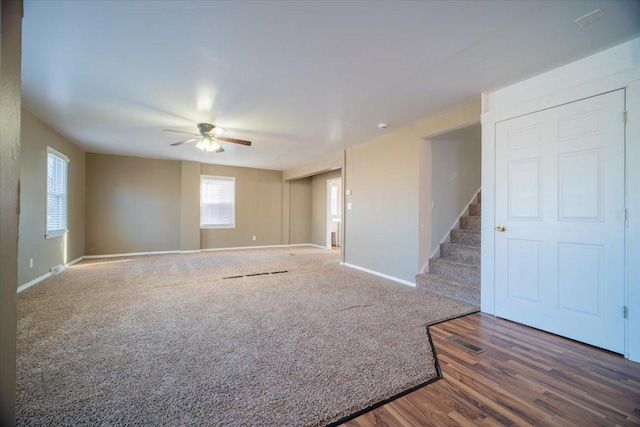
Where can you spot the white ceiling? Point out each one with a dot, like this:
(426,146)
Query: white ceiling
(302,80)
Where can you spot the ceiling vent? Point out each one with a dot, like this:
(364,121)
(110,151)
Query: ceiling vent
(587,19)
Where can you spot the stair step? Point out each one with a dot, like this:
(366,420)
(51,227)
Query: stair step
(465,237)
(460,253)
(475,209)
(470,223)
(439,285)
(457,271)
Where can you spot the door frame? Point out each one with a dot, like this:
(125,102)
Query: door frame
(608,71)
(328,215)
(547,302)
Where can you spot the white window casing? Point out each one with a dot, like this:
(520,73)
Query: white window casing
(57,193)
(217,201)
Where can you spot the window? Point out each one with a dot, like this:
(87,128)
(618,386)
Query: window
(56,193)
(217,201)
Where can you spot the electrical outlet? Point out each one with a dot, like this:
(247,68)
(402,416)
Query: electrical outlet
(254,237)
(31,263)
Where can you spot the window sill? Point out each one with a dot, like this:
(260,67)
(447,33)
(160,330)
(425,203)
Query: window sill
(209,227)
(56,233)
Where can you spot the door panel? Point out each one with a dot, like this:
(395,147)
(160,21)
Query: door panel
(580,186)
(525,190)
(579,288)
(560,196)
(523,269)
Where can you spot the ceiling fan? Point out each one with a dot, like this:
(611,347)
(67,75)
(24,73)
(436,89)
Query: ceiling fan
(209,138)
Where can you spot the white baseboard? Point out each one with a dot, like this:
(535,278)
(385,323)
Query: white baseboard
(44,276)
(375,273)
(33,282)
(75,261)
(130,254)
(318,246)
(243,248)
(235,248)
(307,244)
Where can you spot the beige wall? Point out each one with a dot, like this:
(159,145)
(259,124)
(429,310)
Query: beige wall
(259,209)
(388,228)
(149,205)
(32,245)
(300,211)
(190,206)
(308,207)
(286,214)
(324,164)
(458,118)
(381,232)
(319,206)
(455,178)
(10,102)
(133,204)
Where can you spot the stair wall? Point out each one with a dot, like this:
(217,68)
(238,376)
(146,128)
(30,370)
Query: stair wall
(454,270)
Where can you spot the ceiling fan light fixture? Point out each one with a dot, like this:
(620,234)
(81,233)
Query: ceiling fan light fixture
(209,138)
(214,146)
(207,143)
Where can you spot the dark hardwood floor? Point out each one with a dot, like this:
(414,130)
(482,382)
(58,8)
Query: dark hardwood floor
(525,377)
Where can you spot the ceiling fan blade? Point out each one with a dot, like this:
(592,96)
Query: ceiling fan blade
(235,141)
(186,141)
(180,131)
(220,150)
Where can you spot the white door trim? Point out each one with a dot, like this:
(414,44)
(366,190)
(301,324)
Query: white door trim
(606,79)
(329,215)
(545,160)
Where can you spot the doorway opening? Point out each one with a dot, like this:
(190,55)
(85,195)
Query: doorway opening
(334,213)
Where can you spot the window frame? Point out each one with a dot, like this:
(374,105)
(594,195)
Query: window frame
(231,179)
(51,233)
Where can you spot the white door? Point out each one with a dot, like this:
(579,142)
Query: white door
(560,185)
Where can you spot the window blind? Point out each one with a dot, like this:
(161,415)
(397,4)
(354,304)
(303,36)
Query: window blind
(56,192)
(217,201)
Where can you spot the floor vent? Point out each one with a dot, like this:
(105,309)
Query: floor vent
(466,344)
(58,269)
(257,274)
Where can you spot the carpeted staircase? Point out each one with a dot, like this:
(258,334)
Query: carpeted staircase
(456,274)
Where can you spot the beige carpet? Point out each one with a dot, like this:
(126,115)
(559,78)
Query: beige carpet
(165,340)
